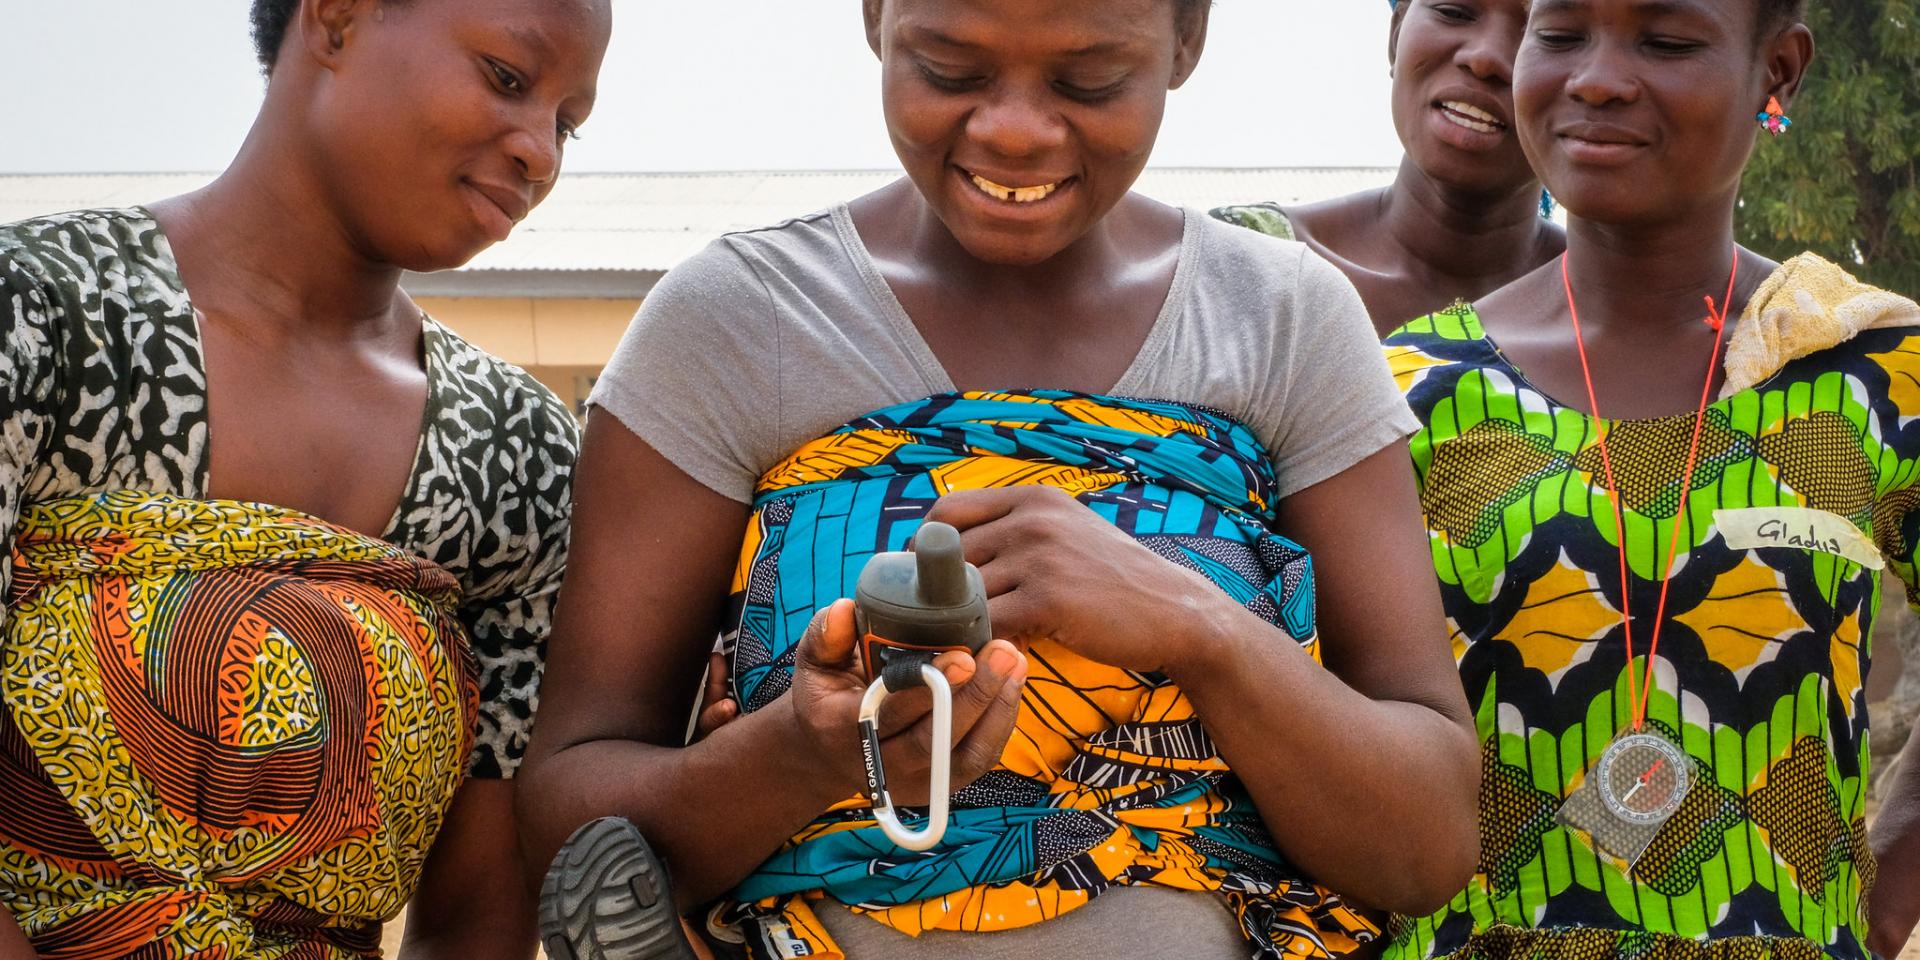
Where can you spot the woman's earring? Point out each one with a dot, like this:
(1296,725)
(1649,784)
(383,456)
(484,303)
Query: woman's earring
(1774,119)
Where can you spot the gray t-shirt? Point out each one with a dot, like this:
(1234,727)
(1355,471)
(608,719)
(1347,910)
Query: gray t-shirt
(770,338)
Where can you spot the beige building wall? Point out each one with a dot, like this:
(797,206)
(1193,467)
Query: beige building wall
(563,343)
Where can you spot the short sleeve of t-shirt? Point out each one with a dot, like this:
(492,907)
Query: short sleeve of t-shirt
(696,375)
(1335,401)
(1274,336)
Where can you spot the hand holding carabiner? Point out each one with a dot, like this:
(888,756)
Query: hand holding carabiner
(829,683)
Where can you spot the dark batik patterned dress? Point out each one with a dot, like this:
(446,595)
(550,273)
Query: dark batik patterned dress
(126,710)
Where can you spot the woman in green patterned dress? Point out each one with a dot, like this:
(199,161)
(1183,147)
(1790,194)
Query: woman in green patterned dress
(1663,617)
(1461,217)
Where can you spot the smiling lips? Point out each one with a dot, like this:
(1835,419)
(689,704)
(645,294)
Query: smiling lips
(1600,142)
(511,203)
(1001,192)
(1471,117)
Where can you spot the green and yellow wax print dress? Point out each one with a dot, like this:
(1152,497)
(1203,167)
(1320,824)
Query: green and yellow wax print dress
(1268,218)
(1762,653)
(231,730)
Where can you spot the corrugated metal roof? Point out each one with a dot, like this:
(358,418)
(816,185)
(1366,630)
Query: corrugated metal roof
(647,222)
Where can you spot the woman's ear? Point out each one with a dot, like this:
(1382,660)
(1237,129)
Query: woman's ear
(872,11)
(1393,34)
(325,26)
(1190,38)
(1788,57)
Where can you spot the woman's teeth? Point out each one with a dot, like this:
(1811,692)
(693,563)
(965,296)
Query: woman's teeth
(1471,117)
(1015,194)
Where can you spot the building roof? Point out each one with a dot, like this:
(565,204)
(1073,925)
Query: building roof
(613,234)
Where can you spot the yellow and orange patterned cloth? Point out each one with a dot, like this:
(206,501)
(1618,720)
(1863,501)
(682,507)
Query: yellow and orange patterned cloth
(1109,778)
(229,730)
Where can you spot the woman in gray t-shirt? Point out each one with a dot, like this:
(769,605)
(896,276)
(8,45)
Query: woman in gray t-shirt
(1201,747)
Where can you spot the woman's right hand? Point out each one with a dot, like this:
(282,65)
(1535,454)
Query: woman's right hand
(828,684)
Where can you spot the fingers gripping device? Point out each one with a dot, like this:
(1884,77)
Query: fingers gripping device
(909,607)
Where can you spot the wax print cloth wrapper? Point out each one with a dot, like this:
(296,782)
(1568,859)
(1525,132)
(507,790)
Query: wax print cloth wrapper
(1109,778)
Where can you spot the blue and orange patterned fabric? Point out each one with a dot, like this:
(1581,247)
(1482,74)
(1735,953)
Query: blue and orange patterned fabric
(230,731)
(1763,648)
(1109,778)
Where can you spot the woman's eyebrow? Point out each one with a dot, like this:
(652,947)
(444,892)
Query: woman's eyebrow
(1645,8)
(930,35)
(1098,49)
(532,39)
(937,38)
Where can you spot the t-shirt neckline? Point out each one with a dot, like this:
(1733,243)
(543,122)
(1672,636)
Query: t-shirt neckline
(934,374)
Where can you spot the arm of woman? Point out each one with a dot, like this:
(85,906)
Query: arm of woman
(1368,762)
(473,902)
(13,942)
(653,554)
(1893,908)
(1385,727)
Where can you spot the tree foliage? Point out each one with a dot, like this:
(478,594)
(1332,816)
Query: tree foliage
(1845,180)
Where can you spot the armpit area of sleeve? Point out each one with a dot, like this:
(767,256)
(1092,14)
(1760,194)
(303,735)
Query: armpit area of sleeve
(1334,454)
(681,450)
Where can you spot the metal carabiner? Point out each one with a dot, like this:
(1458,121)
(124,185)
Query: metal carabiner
(939,779)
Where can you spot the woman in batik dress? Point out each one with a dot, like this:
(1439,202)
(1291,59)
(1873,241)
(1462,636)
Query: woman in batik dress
(1648,526)
(1136,416)
(283,548)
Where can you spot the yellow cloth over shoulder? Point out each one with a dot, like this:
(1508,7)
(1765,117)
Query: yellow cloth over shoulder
(1806,306)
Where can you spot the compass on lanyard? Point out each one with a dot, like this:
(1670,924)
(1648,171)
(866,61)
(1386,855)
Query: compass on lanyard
(1643,778)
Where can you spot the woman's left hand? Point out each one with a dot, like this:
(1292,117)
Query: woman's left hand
(1054,568)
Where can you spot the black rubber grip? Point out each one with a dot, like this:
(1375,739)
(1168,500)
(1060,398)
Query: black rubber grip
(902,671)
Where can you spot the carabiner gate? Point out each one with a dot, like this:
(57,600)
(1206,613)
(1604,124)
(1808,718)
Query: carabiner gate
(939,780)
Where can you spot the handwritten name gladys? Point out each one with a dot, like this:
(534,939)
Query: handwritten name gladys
(1779,533)
(1803,528)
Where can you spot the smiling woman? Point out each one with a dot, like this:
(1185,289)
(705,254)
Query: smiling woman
(1189,739)
(1664,611)
(1459,221)
(279,689)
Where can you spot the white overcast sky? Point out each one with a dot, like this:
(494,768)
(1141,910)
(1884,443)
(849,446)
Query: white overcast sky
(170,85)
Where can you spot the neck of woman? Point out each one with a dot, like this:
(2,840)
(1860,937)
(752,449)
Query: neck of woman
(1461,234)
(1095,260)
(1653,277)
(263,241)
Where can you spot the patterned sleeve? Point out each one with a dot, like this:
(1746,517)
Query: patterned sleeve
(27,383)
(1267,218)
(513,578)
(1896,512)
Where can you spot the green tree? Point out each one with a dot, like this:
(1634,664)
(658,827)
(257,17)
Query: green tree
(1845,180)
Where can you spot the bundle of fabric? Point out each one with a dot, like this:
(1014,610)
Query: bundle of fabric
(1109,778)
(230,730)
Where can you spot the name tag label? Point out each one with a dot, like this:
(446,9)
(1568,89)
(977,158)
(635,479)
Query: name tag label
(1797,528)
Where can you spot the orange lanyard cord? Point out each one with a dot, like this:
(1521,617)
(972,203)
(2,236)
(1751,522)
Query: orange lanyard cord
(1717,319)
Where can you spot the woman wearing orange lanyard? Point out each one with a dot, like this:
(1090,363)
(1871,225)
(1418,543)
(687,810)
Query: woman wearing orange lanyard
(1662,585)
